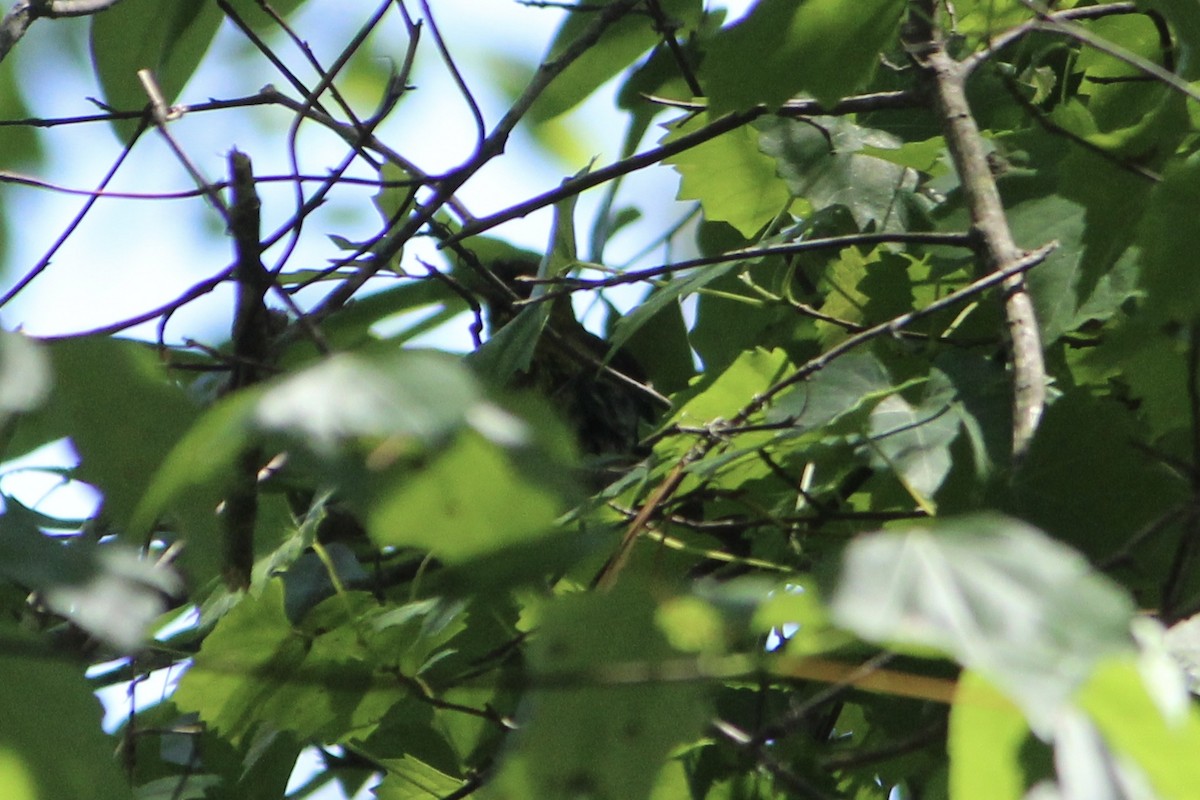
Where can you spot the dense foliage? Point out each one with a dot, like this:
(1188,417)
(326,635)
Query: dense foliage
(887,486)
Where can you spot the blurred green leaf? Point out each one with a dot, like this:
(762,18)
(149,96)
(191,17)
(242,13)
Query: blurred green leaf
(419,395)
(1024,611)
(584,647)
(122,412)
(1136,728)
(48,706)
(986,735)
(456,518)
(25,375)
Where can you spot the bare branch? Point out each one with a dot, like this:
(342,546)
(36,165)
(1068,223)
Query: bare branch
(997,248)
(22,15)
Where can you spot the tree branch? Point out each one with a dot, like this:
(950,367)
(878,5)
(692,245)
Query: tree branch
(997,249)
(22,15)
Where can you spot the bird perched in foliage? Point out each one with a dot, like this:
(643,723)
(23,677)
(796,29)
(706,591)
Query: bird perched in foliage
(605,400)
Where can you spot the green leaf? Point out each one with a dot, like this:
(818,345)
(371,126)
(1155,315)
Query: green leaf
(723,396)
(1001,597)
(986,18)
(1088,483)
(798,606)
(511,349)
(469,501)
(825,48)
(48,704)
(242,664)
(169,41)
(730,177)
(655,334)
(411,395)
(1054,285)
(121,411)
(822,160)
(847,299)
(984,743)
(411,779)
(1135,727)
(664,297)
(395,401)
(914,441)
(844,386)
(1169,239)
(590,733)
(619,46)
(352,325)
(1183,19)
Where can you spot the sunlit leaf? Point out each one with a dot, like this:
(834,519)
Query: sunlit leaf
(410,779)
(733,180)
(1116,700)
(986,734)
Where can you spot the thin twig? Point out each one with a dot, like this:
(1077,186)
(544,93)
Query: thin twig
(44,261)
(1018,32)
(1140,63)
(746,253)
(721,125)
(491,147)
(666,488)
